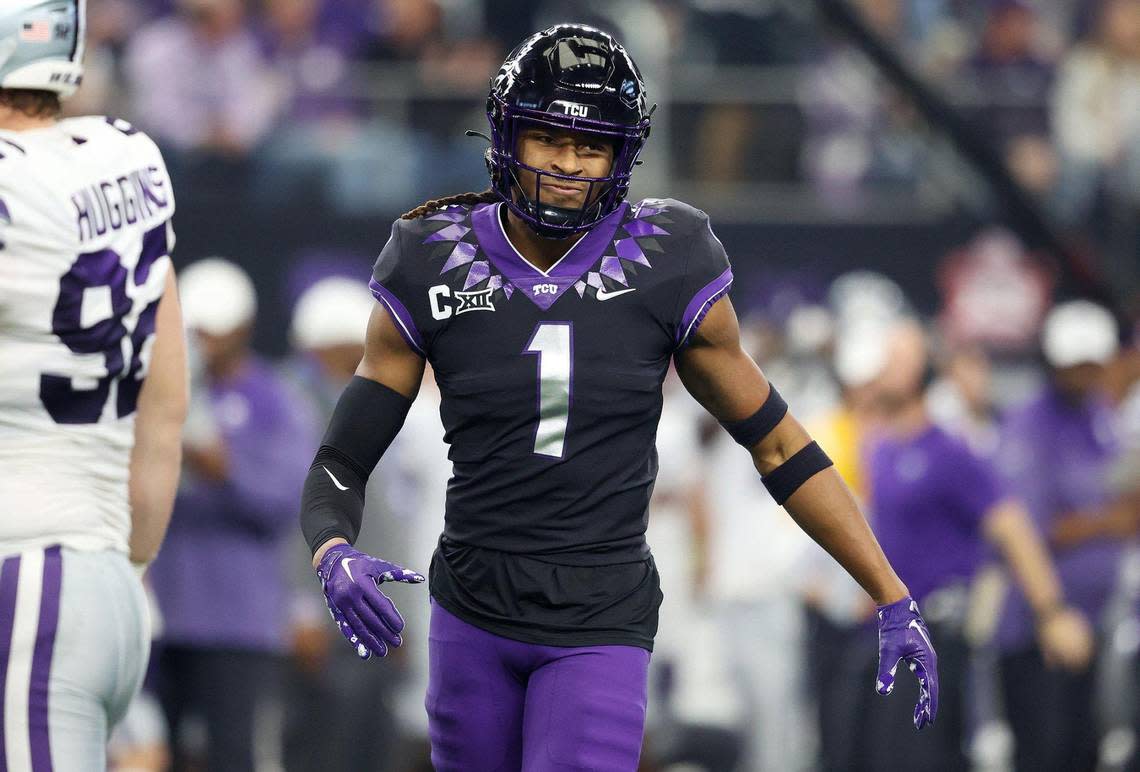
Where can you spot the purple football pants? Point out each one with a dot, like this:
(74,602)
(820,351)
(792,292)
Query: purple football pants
(498,704)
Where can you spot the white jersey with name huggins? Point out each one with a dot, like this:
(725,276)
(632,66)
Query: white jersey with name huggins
(85,209)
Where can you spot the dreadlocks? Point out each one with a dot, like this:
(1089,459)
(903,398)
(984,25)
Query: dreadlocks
(488,196)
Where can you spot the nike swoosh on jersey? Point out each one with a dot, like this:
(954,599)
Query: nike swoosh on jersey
(336,482)
(344,564)
(603,295)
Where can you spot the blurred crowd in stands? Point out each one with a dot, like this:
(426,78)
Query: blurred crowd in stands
(305,114)
(365,98)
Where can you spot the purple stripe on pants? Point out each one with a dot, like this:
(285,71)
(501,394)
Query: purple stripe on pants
(494,703)
(38,732)
(9,577)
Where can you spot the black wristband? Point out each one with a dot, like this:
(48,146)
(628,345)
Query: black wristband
(787,478)
(751,430)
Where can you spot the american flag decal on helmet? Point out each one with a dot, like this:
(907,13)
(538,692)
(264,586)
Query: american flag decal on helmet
(36,32)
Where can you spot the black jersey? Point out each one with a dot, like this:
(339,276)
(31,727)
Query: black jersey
(551,394)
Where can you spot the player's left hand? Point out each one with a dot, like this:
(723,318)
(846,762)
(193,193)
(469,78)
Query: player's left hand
(365,616)
(903,637)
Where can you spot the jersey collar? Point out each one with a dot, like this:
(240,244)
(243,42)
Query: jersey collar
(542,287)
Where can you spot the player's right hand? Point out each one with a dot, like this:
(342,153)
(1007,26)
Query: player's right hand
(365,616)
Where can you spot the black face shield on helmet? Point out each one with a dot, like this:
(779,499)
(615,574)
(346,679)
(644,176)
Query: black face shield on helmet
(568,77)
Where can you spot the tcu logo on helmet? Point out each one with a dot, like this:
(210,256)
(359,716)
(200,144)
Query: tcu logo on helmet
(573,109)
(545,289)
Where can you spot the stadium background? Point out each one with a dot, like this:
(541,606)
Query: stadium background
(981,158)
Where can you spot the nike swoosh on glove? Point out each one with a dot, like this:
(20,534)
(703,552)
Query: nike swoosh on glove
(366,617)
(903,637)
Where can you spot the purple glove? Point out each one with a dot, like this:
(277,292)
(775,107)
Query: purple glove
(364,615)
(903,637)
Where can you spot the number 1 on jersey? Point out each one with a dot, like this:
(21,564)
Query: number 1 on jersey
(554,344)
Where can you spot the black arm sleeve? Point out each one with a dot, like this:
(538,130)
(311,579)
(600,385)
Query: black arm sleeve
(366,420)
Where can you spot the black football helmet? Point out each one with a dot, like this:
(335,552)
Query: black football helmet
(570,76)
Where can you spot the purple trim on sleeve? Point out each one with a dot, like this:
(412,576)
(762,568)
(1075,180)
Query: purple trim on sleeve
(400,315)
(41,661)
(700,305)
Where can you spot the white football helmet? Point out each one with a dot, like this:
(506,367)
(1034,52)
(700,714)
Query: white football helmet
(41,44)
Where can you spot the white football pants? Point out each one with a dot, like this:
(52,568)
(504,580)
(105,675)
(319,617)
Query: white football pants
(74,642)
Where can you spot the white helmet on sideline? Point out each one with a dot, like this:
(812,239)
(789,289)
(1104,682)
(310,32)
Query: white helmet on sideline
(332,312)
(1079,332)
(217,296)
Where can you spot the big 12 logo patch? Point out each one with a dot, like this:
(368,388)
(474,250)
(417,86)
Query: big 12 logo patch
(444,302)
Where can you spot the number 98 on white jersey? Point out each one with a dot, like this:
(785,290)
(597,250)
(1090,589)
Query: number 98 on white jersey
(85,237)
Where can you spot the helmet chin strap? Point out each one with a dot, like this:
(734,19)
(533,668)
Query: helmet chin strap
(548,214)
(555,215)
(545,214)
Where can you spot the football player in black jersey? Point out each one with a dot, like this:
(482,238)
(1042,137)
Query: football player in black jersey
(550,309)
